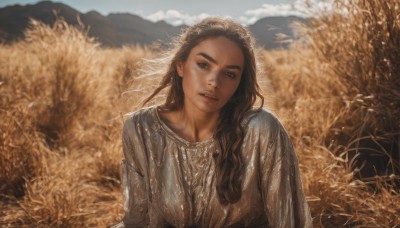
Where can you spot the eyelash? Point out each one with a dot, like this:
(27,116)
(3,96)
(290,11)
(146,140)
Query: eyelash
(204,65)
(230,74)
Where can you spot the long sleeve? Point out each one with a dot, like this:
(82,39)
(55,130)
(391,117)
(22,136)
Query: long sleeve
(132,181)
(169,182)
(283,196)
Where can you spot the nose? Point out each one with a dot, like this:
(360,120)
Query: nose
(213,80)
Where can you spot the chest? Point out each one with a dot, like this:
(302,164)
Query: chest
(182,190)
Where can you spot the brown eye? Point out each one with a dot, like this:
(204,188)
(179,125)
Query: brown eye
(202,65)
(230,74)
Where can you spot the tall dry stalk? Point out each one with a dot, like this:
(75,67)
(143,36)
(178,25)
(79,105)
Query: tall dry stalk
(361,44)
(60,149)
(334,111)
(63,100)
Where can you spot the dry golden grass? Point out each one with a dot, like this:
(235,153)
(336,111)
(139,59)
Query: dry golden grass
(62,111)
(63,100)
(337,92)
(370,71)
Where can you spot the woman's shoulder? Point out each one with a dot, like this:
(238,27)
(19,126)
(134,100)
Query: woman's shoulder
(260,118)
(145,112)
(143,117)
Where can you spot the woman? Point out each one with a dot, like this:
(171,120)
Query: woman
(206,158)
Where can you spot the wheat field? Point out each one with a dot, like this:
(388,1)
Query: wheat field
(336,89)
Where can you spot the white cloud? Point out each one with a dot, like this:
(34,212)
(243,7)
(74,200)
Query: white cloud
(268,10)
(301,8)
(175,17)
(313,7)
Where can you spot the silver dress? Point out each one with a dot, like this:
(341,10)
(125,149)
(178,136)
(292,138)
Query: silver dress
(170,182)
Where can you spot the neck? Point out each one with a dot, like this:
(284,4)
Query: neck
(200,125)
(191,125)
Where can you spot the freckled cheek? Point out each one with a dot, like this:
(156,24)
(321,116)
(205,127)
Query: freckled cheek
(190,83)
(229,91)
(193,72)
(231,86)
(197,73)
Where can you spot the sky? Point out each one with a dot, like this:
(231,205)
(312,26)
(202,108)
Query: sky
(178,12)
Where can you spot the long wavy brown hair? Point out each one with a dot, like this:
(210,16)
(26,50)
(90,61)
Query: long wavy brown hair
(229,133)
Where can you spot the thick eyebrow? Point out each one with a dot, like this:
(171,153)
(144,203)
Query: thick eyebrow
(209,58)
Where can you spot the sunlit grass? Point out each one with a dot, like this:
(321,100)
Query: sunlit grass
(63,101)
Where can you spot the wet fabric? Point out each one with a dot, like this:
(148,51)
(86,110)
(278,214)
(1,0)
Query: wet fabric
(170,182)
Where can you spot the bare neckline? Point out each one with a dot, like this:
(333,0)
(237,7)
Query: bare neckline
(175,136)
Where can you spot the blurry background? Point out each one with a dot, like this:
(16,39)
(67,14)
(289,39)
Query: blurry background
(70,71)
(117,23)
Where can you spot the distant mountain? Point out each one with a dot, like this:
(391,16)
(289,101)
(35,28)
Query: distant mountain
(113,30)
(117,29)
(273,32)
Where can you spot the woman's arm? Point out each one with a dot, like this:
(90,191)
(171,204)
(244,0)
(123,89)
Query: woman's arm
(284,200)
(132,180)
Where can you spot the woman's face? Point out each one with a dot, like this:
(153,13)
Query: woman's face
(211,74)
